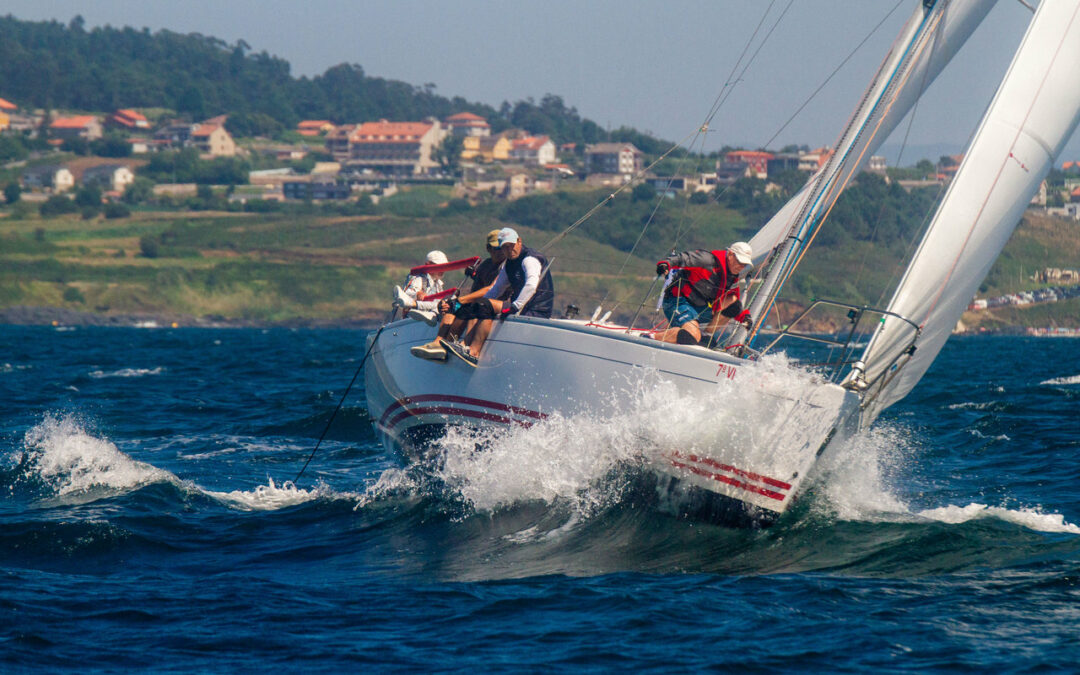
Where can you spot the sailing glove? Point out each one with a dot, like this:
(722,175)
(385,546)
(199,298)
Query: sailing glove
(662,268)
(507,311)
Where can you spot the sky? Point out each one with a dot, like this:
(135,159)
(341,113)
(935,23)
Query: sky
(657,66)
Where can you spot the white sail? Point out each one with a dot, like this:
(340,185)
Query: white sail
(957,20)
(1032,116)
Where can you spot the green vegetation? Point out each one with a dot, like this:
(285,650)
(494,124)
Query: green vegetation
(50,65)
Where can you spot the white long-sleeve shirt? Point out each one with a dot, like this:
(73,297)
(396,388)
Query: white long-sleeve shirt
(424,284)
(532,269)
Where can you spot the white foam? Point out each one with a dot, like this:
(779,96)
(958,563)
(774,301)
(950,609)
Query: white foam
(72,461)
(581,458)
(126,372)
(1029,518)
(269,497)
(1072,379)
(854,477)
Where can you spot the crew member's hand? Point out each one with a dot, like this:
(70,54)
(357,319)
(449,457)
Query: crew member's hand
(662,268)
(444,306)
(507,310)
(745,319)
(470,271)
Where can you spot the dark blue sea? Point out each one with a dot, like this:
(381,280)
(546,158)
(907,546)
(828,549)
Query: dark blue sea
(148,520)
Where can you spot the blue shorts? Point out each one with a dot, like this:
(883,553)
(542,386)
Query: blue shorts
(680,311)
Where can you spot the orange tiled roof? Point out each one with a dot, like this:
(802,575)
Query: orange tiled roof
(390,132)
(7,105)
(1075,192)
(313,124)
(131,114)
(205,129)
(750,154)
(465,117)
(530,143)
(1069,165)
(71,122)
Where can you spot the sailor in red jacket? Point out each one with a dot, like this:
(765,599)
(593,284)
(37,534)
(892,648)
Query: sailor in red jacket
(706,282)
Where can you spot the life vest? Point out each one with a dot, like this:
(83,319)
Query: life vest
(543,299)
(705,286)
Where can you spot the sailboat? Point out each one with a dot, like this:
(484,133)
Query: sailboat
(775,419)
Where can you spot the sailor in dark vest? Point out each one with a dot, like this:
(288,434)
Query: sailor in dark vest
(525,274)
(704,290)
(460,315)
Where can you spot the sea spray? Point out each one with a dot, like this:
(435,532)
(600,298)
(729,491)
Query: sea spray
(71,461)
(589,459)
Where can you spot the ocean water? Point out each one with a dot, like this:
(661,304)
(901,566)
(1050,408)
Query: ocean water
(148,520)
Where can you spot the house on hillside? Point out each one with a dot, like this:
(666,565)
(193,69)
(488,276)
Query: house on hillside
(467,124)
(338,143)
(622,159)
(109,177)
(212,139)
(127,119)
(396,148)
(755,161)
(86,127)
(315,127)
(51,177)
(815,159)
(535,150)
(486,148)
(6,108)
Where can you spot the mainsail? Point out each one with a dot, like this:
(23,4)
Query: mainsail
(1032,116)
(929,39)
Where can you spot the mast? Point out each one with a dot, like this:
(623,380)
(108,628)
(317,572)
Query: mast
(1032,116)
(929,39)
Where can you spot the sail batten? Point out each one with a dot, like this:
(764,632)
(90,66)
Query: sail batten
(1032,116)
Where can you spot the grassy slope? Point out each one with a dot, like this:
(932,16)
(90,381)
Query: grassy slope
(278,267)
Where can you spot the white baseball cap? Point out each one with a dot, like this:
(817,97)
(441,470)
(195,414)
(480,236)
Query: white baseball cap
(742,251)
(436,258)
(508,235)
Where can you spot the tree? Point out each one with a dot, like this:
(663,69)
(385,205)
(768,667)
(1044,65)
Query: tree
(57,205)
(12,192)
(139,190)
(111,145)
(448,154)
(88,196)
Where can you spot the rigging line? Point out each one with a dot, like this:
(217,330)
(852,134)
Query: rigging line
(721,98)
(340,403)
(918,44)
(836,70)
(732,79)
(903,145)
(798,111)
(881,120)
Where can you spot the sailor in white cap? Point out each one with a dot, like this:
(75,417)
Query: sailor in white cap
(703,291)
(419,286)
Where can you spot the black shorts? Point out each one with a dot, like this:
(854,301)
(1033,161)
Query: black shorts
(481,309)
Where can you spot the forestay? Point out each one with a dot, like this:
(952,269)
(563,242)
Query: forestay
(929,39)
(1032,116)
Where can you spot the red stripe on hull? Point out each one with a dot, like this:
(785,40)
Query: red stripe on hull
(729,481)
(730,469)
(466,400)
(452,412)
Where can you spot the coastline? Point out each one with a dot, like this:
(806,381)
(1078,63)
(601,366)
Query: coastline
(60,316)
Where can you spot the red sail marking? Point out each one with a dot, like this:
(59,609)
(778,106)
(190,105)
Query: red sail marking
(445,267)
(728,480)
(425,398)
(730,469)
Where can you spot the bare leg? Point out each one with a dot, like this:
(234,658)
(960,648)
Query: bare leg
(479,333)
(688,334)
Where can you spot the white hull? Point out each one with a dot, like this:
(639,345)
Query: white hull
(532,369)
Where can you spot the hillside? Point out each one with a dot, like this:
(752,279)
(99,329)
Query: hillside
(50,65)
(331,268)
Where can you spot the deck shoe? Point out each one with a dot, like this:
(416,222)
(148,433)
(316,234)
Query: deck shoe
(460,350)
(428,317)
(402,299)
(432,351)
